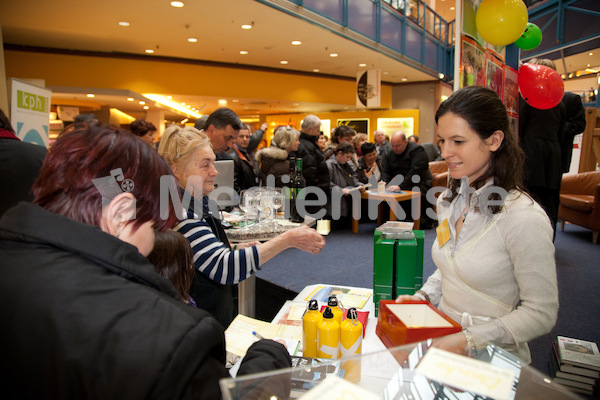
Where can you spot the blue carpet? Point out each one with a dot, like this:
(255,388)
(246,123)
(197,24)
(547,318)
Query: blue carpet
(347,259)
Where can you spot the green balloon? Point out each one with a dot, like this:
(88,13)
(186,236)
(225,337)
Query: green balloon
(531,37)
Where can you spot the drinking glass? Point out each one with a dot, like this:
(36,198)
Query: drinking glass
(249,203)
(277,201)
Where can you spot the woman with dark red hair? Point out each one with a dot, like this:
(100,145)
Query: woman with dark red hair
(86,315)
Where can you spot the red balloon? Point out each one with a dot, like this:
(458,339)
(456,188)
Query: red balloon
(540,86)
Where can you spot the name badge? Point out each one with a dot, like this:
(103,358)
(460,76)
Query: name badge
(443,233)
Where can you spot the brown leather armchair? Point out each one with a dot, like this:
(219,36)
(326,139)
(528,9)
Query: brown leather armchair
(439,171)
(580,201)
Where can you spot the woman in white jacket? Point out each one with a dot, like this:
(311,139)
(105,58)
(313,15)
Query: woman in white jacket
(496,273)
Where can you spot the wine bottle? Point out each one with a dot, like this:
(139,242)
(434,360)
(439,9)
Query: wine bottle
(297,183)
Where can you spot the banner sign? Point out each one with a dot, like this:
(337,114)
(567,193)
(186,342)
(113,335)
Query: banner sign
(30,112)
(368,89)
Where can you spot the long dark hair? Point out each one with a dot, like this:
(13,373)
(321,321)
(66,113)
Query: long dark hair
(485,113)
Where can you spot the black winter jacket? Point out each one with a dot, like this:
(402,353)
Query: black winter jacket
(86,317)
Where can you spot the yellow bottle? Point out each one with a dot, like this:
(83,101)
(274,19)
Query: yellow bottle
(310,320)
(351,334)
(328,336)
(338,313)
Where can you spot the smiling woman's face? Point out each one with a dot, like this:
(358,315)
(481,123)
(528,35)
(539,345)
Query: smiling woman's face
(199,172)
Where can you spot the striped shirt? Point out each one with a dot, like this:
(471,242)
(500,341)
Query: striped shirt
(212,257)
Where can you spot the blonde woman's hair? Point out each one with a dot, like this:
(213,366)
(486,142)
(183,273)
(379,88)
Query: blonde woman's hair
(360,137)
(284,137)
(178,145)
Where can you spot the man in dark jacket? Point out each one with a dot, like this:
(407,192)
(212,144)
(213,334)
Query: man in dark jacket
(574,125)
(20,165)
(406,166)
(245,167)
(314,169)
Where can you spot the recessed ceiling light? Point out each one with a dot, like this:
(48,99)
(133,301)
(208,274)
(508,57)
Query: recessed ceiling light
(124,23)
(404,79)
(385,72)
(296,42)
(591,54)
(222,102)
(188,106)
(588,65)
(235,100)
(183,103)
(90,95)
(247,26)
(142,103)
(283,62)
(170,97)
(192,40)
(130,99)
(452,8)
(441,76)
(145,107)
(177,4)
(316,70)
(149,51)
(333,55)
(362,65)
(243,52)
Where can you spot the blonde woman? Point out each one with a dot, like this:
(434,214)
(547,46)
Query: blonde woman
(218,266)
(275,160)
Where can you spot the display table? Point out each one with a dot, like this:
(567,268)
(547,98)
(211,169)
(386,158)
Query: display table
(413,371)
(394,199)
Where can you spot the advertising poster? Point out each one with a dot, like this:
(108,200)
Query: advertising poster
(511,91)
(472,65)
(392,125)
(494,75)
(360,125)
(30,112)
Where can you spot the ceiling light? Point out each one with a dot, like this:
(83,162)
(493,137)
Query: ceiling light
(362,65)
(149,51)
(169,97)
(296,42)
(164,100)
(235,100)
(316,70)
(333,55)
(385,72)
(243,52)
(90,95)
(591,54)
(130,99)
(441,76)
(192,40)
(142,103)
(183,121)
(404,79)
(177,4)
(188,106)
(145,107)
(247,26)
(452,8)
(124,23)
(283,62)
(222,102)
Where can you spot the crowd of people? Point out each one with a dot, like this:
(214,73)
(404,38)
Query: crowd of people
(113,282)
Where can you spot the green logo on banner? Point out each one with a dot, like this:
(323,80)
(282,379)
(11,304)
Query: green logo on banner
(30,101)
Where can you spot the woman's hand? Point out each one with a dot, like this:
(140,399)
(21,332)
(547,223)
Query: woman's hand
(455,343)
(369,171)
(407,297)
(306,239)
(241,246)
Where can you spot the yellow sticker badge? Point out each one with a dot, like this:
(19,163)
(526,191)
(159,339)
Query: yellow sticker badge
(443,233)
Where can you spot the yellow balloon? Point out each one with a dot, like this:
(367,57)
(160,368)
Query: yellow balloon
(501,22)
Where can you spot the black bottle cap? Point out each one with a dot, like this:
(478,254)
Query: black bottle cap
(313,305)
(327,313)
(333,301)
(351,314)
